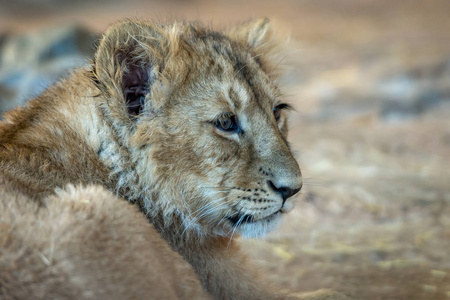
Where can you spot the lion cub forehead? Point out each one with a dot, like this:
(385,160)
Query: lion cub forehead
(214,56)
(233,96)
(236,95)
(241,96)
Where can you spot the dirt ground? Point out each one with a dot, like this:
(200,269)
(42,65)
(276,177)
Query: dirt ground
(372,137)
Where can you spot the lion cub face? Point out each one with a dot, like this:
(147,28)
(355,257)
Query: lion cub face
(206,124)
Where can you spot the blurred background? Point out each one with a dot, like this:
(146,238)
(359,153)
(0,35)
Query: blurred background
(370,81)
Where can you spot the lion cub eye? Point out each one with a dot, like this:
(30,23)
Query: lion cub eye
(277,110)
(277,113)
(228,123)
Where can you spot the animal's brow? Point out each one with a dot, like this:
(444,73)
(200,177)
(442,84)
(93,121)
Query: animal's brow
(285,106)
(234,97)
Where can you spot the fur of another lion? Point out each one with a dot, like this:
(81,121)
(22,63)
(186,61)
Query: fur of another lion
(85,243)
(140,123)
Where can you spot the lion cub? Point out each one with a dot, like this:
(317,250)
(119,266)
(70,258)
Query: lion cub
(183,121)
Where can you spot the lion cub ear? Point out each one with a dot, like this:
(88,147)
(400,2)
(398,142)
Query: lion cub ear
(256,34)
(260,37)
(129,60)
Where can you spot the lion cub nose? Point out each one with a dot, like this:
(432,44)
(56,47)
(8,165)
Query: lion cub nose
(285,191)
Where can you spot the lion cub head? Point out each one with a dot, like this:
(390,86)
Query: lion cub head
(203,121)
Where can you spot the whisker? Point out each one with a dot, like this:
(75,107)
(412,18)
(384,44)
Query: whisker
(217,187)
(315,182)
(235,227)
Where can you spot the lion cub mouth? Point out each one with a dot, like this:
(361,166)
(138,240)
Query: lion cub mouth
(240,219)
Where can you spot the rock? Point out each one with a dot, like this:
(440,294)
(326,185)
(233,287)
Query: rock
(3,39)
(7,99)
(407,95)
(45,45)
(30,63)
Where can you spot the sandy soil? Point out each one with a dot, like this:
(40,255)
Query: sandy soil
(373,220)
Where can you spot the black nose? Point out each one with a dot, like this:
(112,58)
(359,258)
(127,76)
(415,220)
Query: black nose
(284,191)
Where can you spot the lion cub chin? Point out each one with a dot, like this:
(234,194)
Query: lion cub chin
(186,123)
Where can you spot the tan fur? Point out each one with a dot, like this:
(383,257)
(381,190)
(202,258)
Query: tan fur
(189,177)
(86,244)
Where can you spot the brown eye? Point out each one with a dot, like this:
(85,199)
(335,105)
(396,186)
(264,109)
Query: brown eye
(228,124)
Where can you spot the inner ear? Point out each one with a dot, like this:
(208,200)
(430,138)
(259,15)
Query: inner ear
(135,86)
